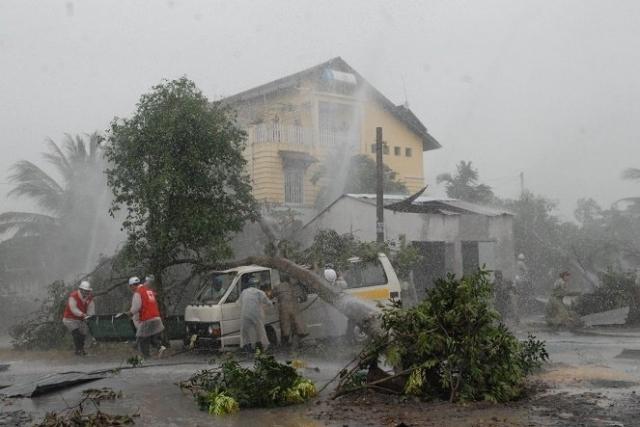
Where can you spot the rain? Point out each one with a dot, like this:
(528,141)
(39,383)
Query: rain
(319,214)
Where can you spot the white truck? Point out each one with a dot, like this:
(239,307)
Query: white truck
(213,319)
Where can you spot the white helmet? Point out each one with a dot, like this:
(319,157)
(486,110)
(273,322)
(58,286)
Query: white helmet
(85,286)
(134,281)
(330,274)
(521,257)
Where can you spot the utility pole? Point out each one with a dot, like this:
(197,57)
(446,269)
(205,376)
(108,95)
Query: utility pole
(521,184)
(379,188)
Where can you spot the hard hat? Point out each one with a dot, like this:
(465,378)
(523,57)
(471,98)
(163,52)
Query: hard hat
(85,286)
(134,281)
(521,257)
(330,274)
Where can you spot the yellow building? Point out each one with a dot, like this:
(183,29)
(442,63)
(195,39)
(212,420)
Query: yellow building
(326,113)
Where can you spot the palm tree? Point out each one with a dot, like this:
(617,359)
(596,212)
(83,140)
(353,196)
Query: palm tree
(464,184)
(78,165)
(67,206)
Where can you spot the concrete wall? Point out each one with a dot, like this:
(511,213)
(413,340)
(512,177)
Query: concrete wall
(357,217)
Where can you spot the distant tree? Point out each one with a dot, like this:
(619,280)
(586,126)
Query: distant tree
(68,204)
(631,173)
(360,178)
(177,170)
(464,184)
(587,211)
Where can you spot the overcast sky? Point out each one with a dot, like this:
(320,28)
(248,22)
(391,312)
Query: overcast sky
(549,88)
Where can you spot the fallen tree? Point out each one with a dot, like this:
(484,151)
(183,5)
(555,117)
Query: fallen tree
(450,346)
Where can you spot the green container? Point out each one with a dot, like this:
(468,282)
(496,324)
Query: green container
(107,327)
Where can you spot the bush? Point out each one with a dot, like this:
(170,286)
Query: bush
(453,346)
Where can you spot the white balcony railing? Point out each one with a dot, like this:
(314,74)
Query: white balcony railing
(298,135)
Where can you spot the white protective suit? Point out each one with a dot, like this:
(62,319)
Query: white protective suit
(252,317)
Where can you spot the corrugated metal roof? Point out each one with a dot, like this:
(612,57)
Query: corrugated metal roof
(426,204)
(422,204)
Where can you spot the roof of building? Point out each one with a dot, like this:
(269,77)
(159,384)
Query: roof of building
(401,112)
(421,205)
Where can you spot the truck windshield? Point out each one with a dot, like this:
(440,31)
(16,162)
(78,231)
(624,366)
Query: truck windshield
(215,288)
(362,274)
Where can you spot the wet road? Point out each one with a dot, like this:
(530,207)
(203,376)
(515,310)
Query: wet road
(579,363)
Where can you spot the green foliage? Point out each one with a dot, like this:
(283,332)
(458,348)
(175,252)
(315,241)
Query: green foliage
(405,259)
(464,184)
(177,171)
(231,386)
(330,247)
(454,347)
(135,361)
(221,404)
(44,329)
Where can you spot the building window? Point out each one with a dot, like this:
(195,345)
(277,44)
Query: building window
(373,148)
(396,151)
(294,186)
(407,152)
(385,149)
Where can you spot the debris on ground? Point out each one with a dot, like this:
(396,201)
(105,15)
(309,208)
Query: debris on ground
(15,418)
(78,416)
(135,361)
(100,394)
(229,387)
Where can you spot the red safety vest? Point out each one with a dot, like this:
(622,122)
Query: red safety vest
(149,308)
(82,305)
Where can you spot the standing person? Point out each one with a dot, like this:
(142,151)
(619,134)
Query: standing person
(557,314)
(503,291)
(291,322)
(523,284)
(150,327)
(80,306)
(252,317)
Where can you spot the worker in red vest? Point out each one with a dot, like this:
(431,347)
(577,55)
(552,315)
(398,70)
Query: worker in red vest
(80,306)
(144,307)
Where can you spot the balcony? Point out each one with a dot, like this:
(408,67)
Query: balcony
(275,133)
